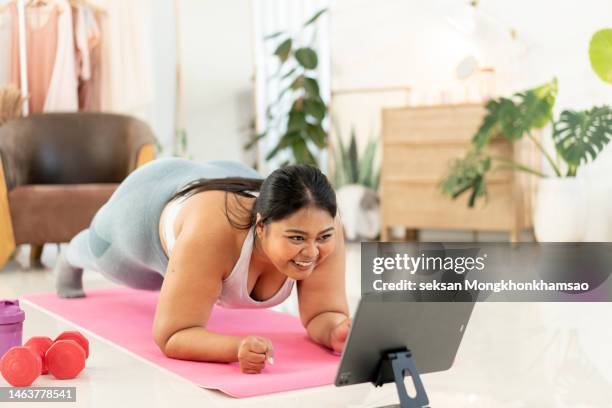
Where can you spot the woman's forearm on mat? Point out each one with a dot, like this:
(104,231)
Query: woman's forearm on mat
(199,344)
(320,327)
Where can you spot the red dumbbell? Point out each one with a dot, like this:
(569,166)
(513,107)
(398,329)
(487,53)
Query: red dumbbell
(66,357)
(40,344)
(76,336)
(20,366)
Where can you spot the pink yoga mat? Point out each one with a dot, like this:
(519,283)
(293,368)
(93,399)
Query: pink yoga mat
(125,316)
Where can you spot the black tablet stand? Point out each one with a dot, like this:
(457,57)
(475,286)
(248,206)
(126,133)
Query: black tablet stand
(393,365)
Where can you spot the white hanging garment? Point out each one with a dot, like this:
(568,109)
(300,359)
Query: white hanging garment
(62,93)
(6,43)
(81,43)
(127,57)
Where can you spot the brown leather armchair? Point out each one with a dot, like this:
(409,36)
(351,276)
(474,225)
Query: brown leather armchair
(58,169)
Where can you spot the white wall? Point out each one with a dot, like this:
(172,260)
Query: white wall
(411,43)
(216,68)
(163,37)
(386,43)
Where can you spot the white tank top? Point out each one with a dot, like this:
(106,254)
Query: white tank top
(170,214)
(234,290)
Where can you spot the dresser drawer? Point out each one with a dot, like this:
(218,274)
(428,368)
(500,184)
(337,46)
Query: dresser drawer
(447,123)
(431,162)
(422,205)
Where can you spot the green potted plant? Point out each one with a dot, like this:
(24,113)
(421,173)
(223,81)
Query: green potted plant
(600,54)
(303,134)
(578,136)
(356,179)
(180,147)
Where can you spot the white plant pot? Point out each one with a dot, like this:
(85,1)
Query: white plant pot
(359,209)
(560,211)
(599,221)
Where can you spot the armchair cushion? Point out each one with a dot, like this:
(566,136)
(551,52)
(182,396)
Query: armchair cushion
(55,213)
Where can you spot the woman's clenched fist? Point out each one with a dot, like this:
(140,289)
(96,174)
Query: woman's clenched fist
(253,353)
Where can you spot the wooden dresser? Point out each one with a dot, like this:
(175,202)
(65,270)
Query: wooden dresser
(418,145)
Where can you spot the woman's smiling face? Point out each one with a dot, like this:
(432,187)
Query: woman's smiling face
(296,244)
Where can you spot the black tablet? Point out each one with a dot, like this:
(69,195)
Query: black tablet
(432,331)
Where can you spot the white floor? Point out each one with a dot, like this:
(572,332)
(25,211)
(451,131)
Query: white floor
(513,355)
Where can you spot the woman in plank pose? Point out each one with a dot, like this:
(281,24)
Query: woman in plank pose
(216,232)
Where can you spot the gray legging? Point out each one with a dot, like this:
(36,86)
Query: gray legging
(122,242)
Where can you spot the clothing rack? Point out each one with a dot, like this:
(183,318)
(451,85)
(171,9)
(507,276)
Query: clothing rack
(23,68)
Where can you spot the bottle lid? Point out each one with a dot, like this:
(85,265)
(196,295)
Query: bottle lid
(10,312)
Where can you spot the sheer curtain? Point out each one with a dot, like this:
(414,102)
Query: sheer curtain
(270,16)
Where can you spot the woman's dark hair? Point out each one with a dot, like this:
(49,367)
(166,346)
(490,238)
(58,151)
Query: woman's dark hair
(282,193)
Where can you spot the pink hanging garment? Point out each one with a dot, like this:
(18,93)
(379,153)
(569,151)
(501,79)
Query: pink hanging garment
(52,82)
(41,45)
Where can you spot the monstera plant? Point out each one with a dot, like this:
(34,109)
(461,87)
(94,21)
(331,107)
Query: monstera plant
(512,118)
(579,136)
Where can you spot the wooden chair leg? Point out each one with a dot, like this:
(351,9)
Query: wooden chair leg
(7,250)
(411,234)
(36,255)
(384,233)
